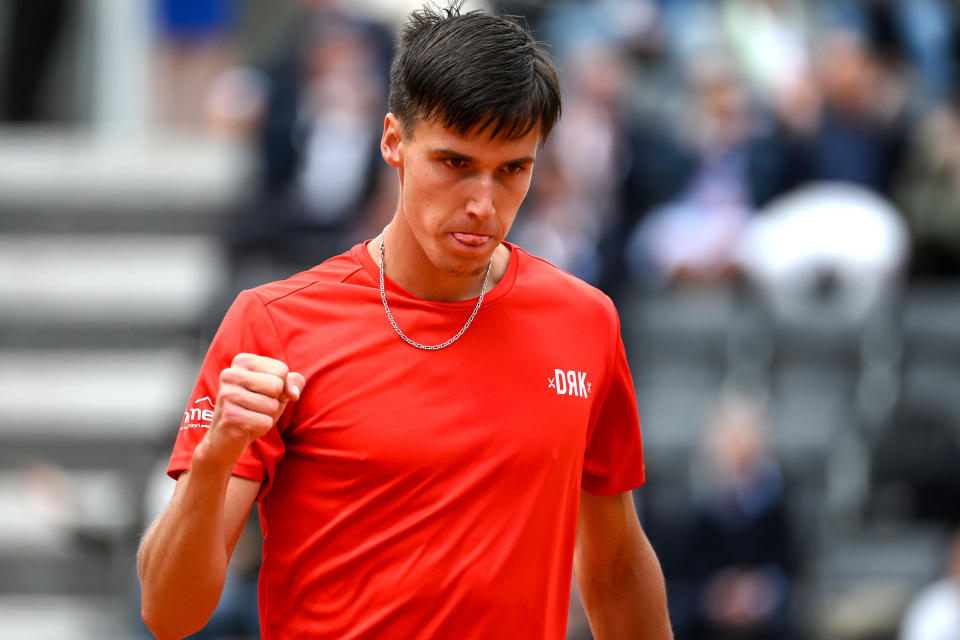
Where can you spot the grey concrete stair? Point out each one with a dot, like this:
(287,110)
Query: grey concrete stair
(127,279)
(117,394)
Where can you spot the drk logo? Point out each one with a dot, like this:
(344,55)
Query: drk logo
(570,383)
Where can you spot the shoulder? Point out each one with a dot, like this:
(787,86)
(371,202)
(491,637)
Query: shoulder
(336,270)
(559,288)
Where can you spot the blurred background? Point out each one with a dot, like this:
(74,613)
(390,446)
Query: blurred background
(767,188)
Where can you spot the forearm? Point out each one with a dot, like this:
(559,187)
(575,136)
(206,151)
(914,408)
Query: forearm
(626,599)
(183,558)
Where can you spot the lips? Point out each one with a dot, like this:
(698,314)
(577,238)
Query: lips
(471,239)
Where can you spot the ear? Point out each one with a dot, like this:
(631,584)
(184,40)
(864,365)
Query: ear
(391,140)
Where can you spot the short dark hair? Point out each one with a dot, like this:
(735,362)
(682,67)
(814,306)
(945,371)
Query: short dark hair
(473,71)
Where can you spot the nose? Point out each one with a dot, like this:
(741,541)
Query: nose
(480,200)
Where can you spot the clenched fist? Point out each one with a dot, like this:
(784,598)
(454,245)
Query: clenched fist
(253,393)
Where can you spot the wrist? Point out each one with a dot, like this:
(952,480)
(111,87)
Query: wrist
(215,455)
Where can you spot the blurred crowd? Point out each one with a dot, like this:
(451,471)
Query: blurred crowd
(794,145)
(699,137)
(702,141)
(801,146)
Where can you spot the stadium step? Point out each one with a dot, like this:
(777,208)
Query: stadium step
(126,280)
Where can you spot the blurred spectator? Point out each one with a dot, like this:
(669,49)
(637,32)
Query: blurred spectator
(574,194)
(927,29)
(318,138)
(656,167)
(929,194)
(193,48)
(923,32)
(769,38)
(934,614)
(574,209)
(693,238)
(735,162)
(572,27)
(860,131)
(741,554)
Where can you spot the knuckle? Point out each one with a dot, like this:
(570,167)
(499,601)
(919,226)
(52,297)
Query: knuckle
(273,366)
(231,375)
(273,405)
(229,394)
(274,386)
(262,422)
(230,415)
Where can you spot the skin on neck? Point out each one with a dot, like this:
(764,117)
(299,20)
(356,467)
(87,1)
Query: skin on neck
(405,263)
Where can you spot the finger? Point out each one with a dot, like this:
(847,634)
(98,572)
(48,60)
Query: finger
(264,383)
(245,399)
(237,417)
(261,364)
(293,386)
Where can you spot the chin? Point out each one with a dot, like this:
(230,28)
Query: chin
(465,270)
(463,265)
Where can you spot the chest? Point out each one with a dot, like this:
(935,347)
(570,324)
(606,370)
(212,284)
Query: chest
(518,389)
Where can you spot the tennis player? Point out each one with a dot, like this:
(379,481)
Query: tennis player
(438,427)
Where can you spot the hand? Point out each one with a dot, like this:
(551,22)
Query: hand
(740,598)
(253,393)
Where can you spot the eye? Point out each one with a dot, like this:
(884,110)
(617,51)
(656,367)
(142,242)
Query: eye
(514,169)
(455,163)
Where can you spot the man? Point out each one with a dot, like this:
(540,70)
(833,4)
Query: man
(425,463)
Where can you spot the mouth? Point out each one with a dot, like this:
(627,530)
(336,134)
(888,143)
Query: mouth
(471,239)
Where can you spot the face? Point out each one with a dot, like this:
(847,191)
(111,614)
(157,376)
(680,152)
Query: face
(458,194)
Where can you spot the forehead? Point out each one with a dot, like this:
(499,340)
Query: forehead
(431,135)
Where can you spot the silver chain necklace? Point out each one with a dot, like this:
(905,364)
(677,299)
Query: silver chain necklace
(393,323)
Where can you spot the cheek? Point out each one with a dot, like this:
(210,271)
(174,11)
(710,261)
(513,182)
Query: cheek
(421,189)
(424,210)
(431,174)
(515,193)
(429,185)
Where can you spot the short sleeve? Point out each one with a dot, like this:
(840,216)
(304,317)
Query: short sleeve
(613,460)
(246,328)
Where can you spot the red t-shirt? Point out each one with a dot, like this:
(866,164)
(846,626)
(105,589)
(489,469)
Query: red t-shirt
(427,494)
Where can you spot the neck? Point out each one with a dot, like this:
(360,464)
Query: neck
(406,264)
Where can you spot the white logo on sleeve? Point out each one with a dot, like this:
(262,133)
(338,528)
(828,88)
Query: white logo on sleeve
(199,416)
(570,383)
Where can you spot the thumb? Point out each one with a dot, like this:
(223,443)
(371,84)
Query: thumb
(293,386)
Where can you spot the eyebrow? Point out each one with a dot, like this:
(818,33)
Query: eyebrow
(456,154)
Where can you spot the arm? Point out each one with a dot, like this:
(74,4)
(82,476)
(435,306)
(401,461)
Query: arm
(184,555)
(617,571)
